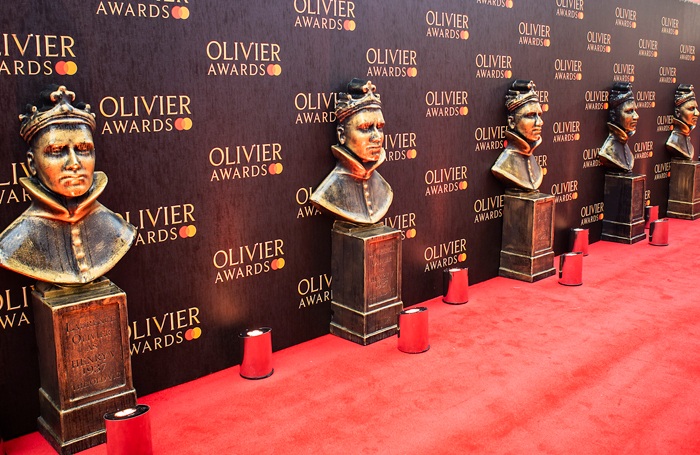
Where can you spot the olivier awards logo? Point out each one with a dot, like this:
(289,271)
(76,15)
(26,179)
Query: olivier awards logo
(13,309)
(643,150)
(596,100)
(315,290)
(10,190)
(570,8)
(445,180)
(447,25)
(670,26)
(490,66)
(623,72)
(243,59)
(405,222)
(566,131)
(590,157)
(450,103)
(315,107)
(325,14)
(161,332)
(687,52)
(245,161)
(163,224)
(490,137)
(489,208)
(534,34)
(144,10)
(662,171)
(145,114)
(248,260)
(568,70)
(667,74)
(391,62)
(32,55)
(306,209)
(648,48)
(591,213)
(496,3)
(664,123)
(625,17)
(438,257)
(598,42)
(565,191)
(400,146)
(645,99)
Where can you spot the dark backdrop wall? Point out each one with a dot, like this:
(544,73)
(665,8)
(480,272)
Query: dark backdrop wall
(214,122)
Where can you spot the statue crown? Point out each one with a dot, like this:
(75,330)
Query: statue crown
(361,95)
(620,93)
(684,93)
(520,93)
(57,108)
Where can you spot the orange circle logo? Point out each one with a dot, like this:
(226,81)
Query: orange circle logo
(183,124)
(580,15)
(631,78)
(277,264)
(463,185)
(605,105)
(411,154)
(651,154)
(545,107)
(509,74)
(600,217)
(577,136)
(66,68)
(675,32)
(275,168)
(579,76)
(509,4)
(674,80)
(412,72)
(462,257)
(656,54)
(634,25)
(608,49)
(464,34)
(547,42)
(544,171)
(274,69)
(411,233)
(464,110)
(349,25)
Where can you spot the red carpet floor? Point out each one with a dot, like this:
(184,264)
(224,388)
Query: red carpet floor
(610,367)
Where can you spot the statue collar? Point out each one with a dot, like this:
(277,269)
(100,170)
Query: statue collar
(354,167)
(520,144)
(50,205)
(619,133)
(681,127)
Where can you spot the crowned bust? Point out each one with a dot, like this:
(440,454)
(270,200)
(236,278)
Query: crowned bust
(354,191)
(615,154)
(685,117)
(65,237)
(516,167)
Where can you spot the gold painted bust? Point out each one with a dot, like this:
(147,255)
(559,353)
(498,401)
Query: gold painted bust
(354,191)
(65,237)
(685,117)
(615,154)
(516,167)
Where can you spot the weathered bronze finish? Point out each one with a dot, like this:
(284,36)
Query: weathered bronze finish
(354,191)
(615,154)
(65,236)
(528,231)
(84,361)
(515,166)
(624,208)
(684,190)
(685,118)
(366,267)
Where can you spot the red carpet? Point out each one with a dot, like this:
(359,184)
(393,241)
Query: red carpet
(610,367)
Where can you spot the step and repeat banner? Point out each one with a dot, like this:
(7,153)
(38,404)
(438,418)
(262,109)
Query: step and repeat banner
(215,121)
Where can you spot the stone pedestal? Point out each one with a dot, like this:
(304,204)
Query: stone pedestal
(366,266)
(684,190)
(623,208)
(84,362)
(528,232)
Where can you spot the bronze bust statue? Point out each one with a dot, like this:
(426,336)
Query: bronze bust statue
(615,154)
(65,237)
(685,117)
(515,166)
(354,191)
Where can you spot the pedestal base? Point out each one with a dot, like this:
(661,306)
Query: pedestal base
(84,361)
(624,208)
(684,190)
(366,267)
(528,232)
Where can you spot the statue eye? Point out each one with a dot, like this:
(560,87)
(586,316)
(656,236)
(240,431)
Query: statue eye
(53,149)
(84,147)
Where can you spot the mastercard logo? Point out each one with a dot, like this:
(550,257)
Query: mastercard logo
(577,136)
(277,264)
(464,34)
(193,334)
(180,12)
(608,49)
(509,4)
(579,76)
(411,233)
(544,171)
(462,257)
(349,25)
(656,54)
(66,68)
(411,154)
(274,69)
(412,72)
(464,110)
(187,231)
(545,107)
(651,154)
(547,42)
(463,185)
(183,124)
(580,15)
(509,74)
(275,168)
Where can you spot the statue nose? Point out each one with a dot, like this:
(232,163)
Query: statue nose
(72,163)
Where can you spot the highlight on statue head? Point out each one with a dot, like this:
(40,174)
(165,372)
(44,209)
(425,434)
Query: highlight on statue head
(623,108)
(61,149)
(524,110)
(686,105)
(360,120)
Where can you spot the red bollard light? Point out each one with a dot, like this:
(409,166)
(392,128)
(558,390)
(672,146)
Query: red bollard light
(257,353)
(129,431)
(413,330)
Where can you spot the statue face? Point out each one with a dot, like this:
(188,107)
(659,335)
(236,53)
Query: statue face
(628,116)
(363,134)
(527,121)
(63,159)
(688,113)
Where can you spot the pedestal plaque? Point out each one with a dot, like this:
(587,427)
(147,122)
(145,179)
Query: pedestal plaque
(366,266)
(623,208)
(84,361)
(528,232)
(684,190)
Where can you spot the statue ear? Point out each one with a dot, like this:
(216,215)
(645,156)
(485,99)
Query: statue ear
(511,122)
(677,113)
(31,164)
(341,134)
